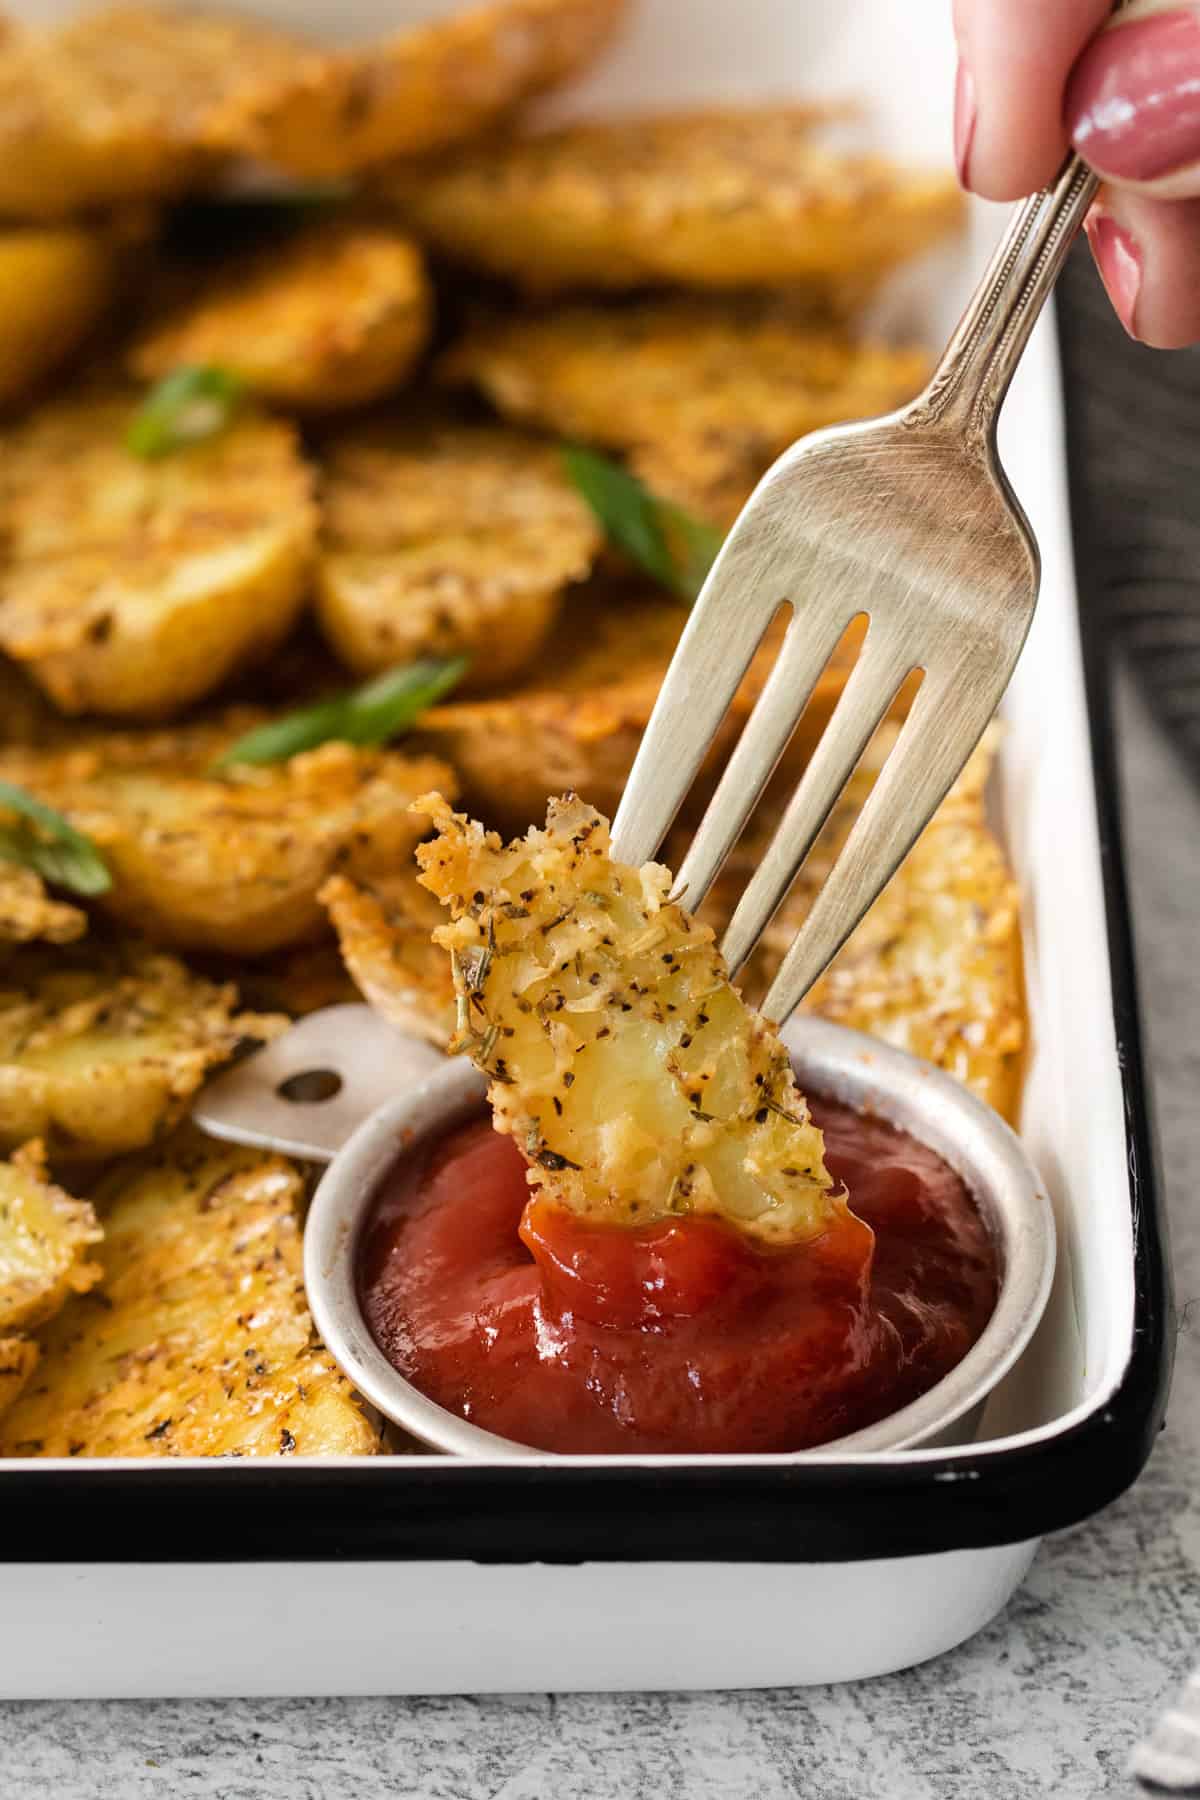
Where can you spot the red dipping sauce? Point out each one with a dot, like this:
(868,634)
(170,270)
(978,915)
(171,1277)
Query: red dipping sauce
(684,1336)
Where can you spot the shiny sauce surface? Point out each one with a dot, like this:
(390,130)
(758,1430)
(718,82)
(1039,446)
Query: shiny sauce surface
(680,1337)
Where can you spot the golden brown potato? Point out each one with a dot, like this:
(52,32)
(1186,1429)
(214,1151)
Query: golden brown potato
(54,286)
(634,1078)
(197,1341)
(721,198)
(331,318)
(711,391)
(427,88)
(28,914)
(101,1048)
(386,938)
(295,982)
(575,725)
(132,587)
(18,1360)
(935,967)
(444,540)
(134,100)
(45,1237)
(229,861)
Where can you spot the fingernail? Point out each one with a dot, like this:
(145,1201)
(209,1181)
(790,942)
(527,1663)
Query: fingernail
(964,119)
(1133,102)
(1119,262)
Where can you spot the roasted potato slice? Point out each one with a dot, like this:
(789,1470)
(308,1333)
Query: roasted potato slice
(427,88)
(28,914)
(45,1238)
(18,1360)
(444,540)
(935,967)
(132,587)
(723,198)
(197,1341)
(386,939)
(229,861)
(294,982)
(129,101)
(54,286)
(331,318)
(101,1050)
(576,725)
(634,1078)
(711,390)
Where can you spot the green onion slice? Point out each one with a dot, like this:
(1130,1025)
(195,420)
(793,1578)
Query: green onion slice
(371,714)
(185,407)
(665,540)
(42,840)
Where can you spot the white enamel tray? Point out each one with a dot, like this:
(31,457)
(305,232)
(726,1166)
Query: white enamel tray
(420,1574)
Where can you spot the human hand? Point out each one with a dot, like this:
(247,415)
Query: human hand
(1036,76)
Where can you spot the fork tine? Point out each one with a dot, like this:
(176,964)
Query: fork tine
(802,656)
(947,716)
(695,695)
(873,685)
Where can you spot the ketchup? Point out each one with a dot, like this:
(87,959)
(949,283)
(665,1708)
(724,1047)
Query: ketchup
(684,1336)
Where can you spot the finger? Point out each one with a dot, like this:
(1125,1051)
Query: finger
(1133,102)
(1014,60)
(1148,255)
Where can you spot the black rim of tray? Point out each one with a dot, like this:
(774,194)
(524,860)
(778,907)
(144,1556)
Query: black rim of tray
(691,1512)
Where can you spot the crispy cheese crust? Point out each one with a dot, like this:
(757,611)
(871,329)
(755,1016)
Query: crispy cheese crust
(385,936)
(101,1049)
(18,1360)
(336,316)
(45,1241)
(723,198)
(711,390)
(130,587)
(635,1080)
(197,1340)
(28,914)
(229,861)
(443,540)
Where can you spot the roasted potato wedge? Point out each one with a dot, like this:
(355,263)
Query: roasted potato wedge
(229,861)
(634,1078)
(386,938)
(425,89)
(935,967)
(576,725)
(331,318)
(720,198)
(54,287)
(100,1050)
(711,390)
(444,540)
(45,1240)
(197,1340)
(132,587)
(29,915)
(130,101)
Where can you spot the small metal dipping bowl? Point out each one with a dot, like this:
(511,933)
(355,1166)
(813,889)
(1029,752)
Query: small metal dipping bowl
(273,1099)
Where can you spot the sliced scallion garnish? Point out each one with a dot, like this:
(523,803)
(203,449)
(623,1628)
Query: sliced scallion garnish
(371,714)
(665,540)
(42,840)
(187,406)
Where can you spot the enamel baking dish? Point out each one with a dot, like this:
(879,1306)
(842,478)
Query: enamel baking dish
(426,1574)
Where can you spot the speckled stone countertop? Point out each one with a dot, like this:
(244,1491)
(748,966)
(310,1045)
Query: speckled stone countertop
(1049,1700)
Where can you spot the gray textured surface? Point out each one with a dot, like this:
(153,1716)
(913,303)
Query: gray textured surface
(1050,1700)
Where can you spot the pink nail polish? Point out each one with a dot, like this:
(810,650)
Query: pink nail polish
(1133,102)
(1119,262)
(964,119)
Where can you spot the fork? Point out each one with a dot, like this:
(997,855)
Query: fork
(910,521)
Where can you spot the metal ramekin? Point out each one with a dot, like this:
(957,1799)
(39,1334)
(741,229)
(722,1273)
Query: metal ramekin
(846,1066)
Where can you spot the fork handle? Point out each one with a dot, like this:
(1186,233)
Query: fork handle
(969,384)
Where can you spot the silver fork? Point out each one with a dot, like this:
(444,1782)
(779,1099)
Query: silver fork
(909,520)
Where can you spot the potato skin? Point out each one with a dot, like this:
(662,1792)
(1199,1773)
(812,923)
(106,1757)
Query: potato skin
(445,540)
(54,287)
(102,1047)
(132,588)
(334,317)
(718,198)
(197,1340)
(229,862)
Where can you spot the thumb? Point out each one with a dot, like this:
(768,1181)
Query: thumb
(1133,100)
